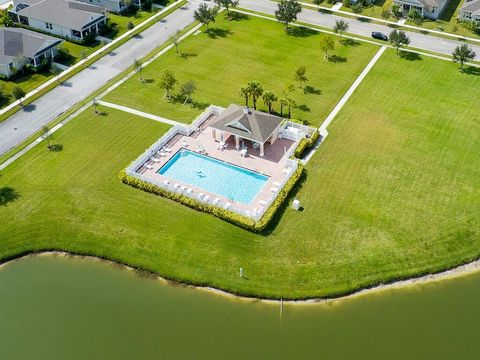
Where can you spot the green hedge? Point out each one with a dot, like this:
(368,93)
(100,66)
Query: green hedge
(306,144)
(227,215)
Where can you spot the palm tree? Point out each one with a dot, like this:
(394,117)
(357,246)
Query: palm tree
(137,67)
(269,98)
(256,91)
(245,93)
(290,105)
(283,103)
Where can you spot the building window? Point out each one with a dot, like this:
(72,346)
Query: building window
(49,26)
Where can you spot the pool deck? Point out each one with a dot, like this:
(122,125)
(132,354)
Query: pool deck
(272,164)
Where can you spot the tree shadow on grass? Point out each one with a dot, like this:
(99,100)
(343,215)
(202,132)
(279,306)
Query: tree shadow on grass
(302,32)
(187,55)
(148,81)
(472,70)
(281,210)
(311,90)
(8,195)
(303,107)
(215,33)
(235,16)
(56,147)
(350,42)
(364,20)
(410,56)
(337,59)
(325,11)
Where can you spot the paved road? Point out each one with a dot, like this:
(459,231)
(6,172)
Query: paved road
(417,40)
(49,106)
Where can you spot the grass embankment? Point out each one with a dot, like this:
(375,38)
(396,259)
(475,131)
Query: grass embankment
(233,53)
(393,192)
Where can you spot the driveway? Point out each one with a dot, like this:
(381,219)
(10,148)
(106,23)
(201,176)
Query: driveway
(417,40)
(27,121)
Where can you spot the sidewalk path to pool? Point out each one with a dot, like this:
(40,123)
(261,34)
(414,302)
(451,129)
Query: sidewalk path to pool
(139,113)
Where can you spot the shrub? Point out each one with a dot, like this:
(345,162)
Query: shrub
(227,215)
(305,144)
(130,25)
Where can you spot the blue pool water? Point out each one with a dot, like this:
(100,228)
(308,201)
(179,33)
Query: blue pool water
(215,176)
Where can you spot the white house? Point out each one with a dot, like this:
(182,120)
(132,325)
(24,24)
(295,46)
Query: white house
(470,11)
(116,6)
(19,47)
(67,18)
(430,9)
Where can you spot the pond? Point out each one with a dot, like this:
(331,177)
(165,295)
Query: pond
(57,307)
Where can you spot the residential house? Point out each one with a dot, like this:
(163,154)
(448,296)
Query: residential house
(67,18)
(19,47)
(470,11)
(116,6)
(430,9)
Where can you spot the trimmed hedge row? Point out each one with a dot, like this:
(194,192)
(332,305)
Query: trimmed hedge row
(227,215)
(306,144)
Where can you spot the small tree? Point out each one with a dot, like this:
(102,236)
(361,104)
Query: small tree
(83,56)
(227,4)
(255,90)
(398,39)
(175,39)
(301,76)
(168,82)
(340,27)
(269,98)
(385,13)
(205,15)
(245,93)
(18,94)
(56,71)
(47,135)
(357,8)
(397,11)
(187,90)
(462,54)
(415,16)
(130,25)
(327,44)
(137,67)
(287,11)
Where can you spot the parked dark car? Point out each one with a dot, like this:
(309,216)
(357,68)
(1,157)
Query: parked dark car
(379,36)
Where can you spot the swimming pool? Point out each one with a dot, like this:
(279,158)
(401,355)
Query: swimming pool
(215,176)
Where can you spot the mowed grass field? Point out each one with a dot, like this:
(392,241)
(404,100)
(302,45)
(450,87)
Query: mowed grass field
(235,52)
(392,192)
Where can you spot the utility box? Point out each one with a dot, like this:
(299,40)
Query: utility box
(296,204)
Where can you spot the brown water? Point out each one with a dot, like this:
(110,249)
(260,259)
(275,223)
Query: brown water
(54,307)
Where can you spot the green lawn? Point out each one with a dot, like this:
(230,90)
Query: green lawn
(393,191)
(221,61)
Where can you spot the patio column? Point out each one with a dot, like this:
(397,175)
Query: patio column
(237,142)
(262,145)
(214,134)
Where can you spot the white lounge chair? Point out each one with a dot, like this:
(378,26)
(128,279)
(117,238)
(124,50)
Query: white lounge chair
(201,195)
(149,167)
(154,159)
(216,201)
(166,182)
(184,188)
(189,191)
(277,184)
(286,170)
(184,143)
(274,189)
(175,186)
(227,205)
(263,203)
(167,149)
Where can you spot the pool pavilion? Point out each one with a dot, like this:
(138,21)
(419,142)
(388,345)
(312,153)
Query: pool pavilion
(246,126)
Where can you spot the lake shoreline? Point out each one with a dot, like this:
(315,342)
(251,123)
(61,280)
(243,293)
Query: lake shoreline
(461,270)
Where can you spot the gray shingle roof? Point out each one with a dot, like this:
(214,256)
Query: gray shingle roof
(252,124)
(66,13)
(15,42)
(472,6)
